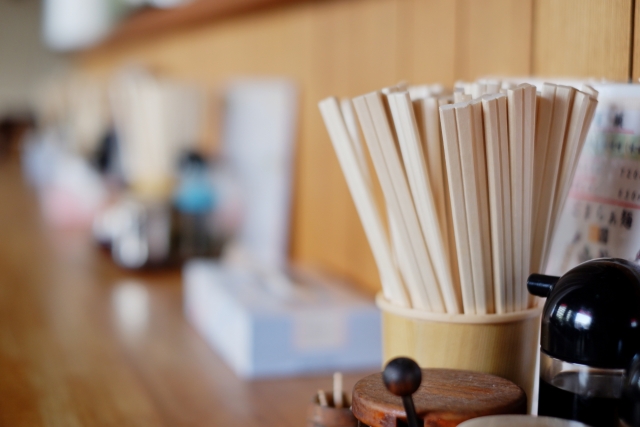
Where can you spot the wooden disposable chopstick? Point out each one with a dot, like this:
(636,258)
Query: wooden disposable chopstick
(591,110)
(529,114)
(459,97)
(493,87)
(458,211)
(437,174)
(387,143)
(494,180)
(349,116)
(420,185)
(418,111)
(472,203)
(444,100)
(364,202)
(569,151)
(448,212)
(396,241)
(408,259)
(473,198)
(543,127)
(561,111)
(506,202)
(435,160)
(591,91)
(483,199)
(478,89)
(515,105)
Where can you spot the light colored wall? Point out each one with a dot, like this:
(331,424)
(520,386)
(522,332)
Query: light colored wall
(24,60)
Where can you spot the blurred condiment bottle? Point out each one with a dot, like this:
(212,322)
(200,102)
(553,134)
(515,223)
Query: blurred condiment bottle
(194,200)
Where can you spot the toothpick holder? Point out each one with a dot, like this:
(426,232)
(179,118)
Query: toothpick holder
(329,416)
(505,345)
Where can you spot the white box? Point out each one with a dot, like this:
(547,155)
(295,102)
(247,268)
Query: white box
(263,329)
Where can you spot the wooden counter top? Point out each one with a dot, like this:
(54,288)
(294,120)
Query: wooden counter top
(73,353)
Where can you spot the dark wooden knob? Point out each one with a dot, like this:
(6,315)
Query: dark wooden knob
(402,376)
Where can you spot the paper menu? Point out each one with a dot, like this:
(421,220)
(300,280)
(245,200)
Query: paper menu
(259,132)
(601,217)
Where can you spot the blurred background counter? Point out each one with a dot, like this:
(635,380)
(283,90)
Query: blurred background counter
(84,342)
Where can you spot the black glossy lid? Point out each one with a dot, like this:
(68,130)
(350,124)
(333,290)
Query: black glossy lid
(630,406)
(592,314)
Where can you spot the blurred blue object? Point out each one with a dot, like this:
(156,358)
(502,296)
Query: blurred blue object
(195,192)
(194,202)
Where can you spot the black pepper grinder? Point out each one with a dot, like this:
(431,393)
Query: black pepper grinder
(590,333)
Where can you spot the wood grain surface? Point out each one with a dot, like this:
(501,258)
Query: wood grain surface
(445,398)
(74,353)
(582,38)
(635,60)
(493,38)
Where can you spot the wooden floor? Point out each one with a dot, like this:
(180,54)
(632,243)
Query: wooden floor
(72,353)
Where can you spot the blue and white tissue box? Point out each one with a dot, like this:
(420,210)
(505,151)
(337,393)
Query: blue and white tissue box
(263,329)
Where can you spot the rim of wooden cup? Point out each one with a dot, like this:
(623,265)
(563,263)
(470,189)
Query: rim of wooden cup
(485,319)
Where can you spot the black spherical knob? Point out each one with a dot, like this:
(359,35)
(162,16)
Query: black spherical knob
(402,376)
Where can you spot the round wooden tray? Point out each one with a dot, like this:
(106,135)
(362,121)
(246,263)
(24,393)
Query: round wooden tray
(445,398)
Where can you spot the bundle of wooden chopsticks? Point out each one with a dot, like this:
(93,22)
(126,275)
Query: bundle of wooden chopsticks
(473,183)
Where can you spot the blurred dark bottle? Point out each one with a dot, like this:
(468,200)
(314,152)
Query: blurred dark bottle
(194,201)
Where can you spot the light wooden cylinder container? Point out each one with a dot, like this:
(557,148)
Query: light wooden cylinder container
(500,344)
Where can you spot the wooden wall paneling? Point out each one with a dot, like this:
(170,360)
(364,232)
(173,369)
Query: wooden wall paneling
(582,38)
(635,60)
(374,52)
(322,198)
(298,61)
(310,42)
(426,32)
(343,48)
(355,51)
(493,37)
(373,64)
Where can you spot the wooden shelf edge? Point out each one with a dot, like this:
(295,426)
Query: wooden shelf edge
(149,22)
